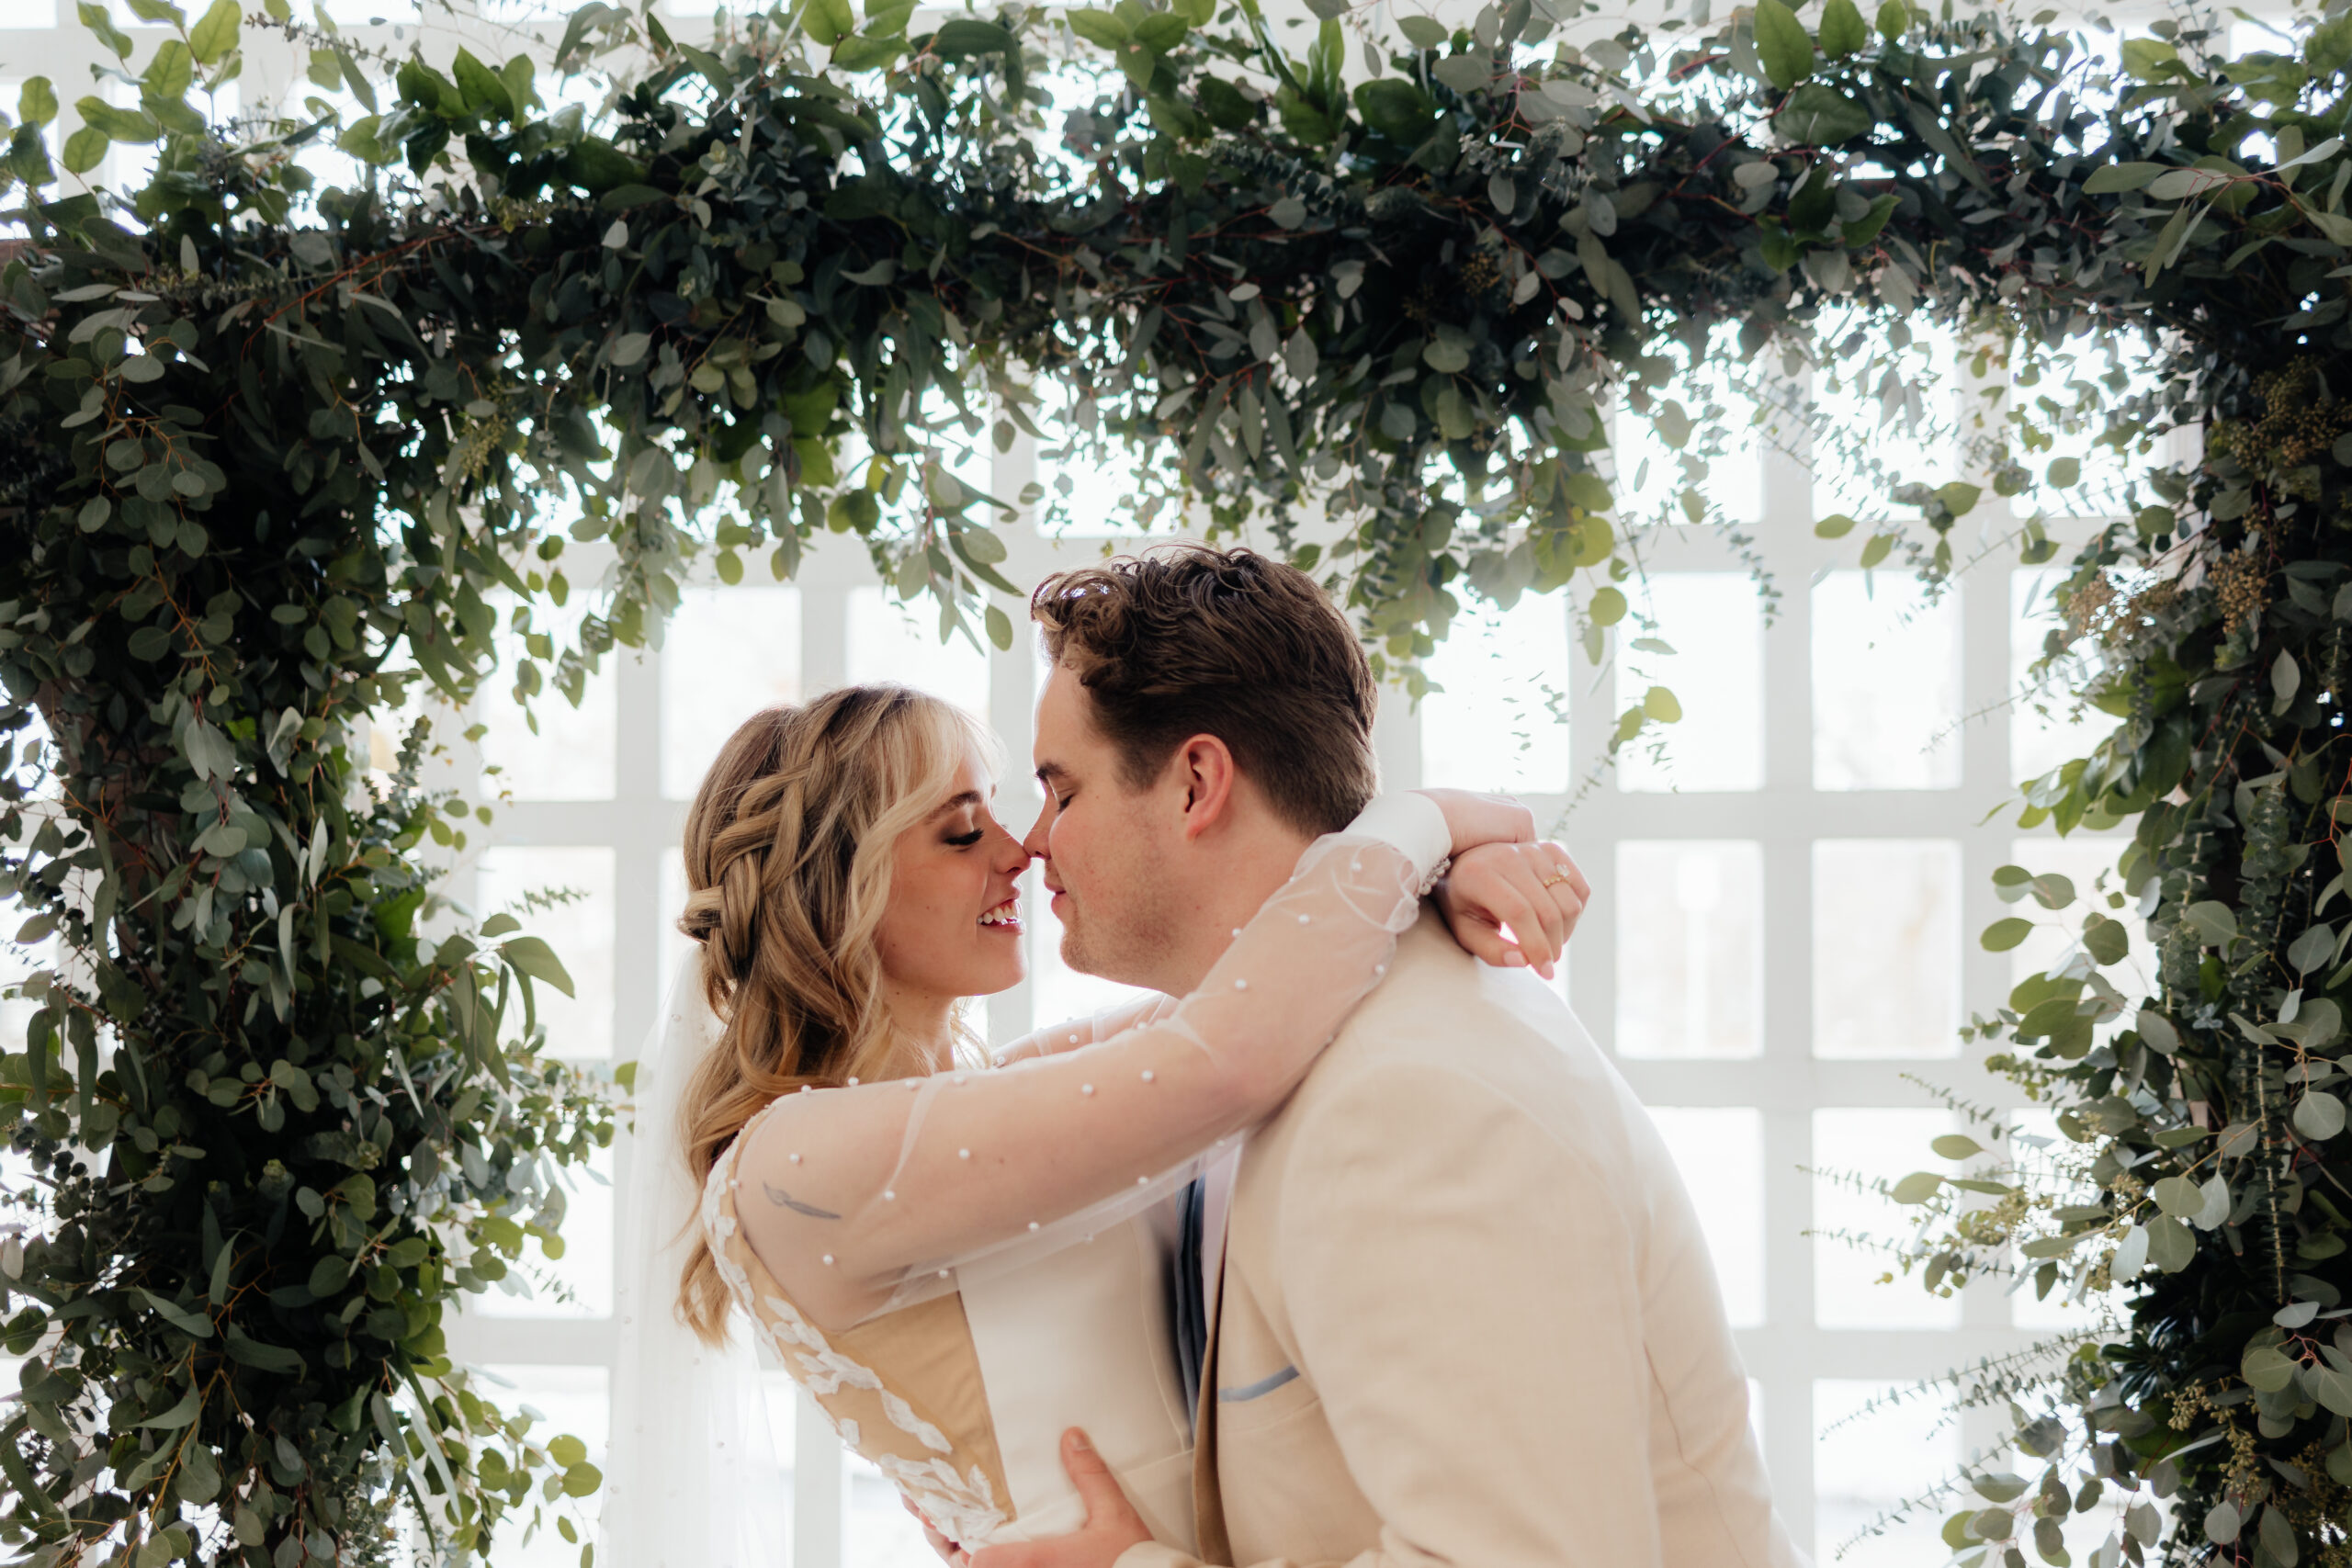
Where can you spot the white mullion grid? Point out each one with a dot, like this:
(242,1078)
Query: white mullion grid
(1787,1084)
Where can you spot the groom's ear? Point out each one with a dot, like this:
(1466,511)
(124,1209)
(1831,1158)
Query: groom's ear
(1205,768)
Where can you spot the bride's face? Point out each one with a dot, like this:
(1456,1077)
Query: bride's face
(953,927)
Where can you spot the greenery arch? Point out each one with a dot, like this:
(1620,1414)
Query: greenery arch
(269,450)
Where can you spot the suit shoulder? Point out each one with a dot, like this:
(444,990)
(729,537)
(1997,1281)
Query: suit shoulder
(1443,1009)
(1447,1044)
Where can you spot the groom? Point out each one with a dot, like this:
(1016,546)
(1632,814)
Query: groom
(1454,1303)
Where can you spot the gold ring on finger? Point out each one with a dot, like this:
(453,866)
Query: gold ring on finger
(1554,880)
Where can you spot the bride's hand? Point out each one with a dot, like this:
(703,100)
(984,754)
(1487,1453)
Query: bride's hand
(1473,819)
(1536,889)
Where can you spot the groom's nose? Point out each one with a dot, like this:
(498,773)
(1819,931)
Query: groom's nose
(1035,843)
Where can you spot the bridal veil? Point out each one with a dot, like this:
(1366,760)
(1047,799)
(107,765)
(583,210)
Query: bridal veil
(690,1479)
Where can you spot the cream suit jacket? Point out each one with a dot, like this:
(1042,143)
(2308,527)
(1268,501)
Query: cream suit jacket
(1465,1313)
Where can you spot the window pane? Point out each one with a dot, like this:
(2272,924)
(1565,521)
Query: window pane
(374,13)
(676,944)
(1720,1152)
(1715,623)
(2081,860)
(570,757)
(1096,495)
(1899,412)
(782,1393)
(1886,683)
(2067,392)
(570,1400)
(729,652)
(891,641)
(1866,1146)
(879,1532)
(573,1400)
(1501,723)
(1864,1464)
(580,929)
(387,729)
(1886,947)
(1689,949)
(782,1397)
(1651,472)
(24,14)
(2047,728)
(583,1275)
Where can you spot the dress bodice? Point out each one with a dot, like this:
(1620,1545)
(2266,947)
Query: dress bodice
(926,1425)
(961,1399)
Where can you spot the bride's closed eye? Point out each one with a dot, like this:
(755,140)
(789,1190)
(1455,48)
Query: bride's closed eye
(966,840)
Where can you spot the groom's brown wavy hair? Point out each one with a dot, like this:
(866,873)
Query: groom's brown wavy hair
(1184,640)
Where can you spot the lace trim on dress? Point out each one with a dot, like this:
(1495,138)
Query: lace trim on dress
(963,1507)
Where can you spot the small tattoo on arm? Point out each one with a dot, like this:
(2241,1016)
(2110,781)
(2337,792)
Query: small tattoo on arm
(779,1196)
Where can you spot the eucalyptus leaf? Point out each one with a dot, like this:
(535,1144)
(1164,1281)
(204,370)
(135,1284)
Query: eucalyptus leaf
(1823,116)
(2172,1246)
(1782,44)
(1843,31)
(1917,1186)
(2004,934)
(2176,1196)
(2319,1115)
(2265,1368)
(531,955)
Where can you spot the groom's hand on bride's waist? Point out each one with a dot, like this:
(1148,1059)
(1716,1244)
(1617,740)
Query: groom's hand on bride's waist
(1112,1523)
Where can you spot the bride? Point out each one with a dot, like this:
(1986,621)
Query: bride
(958,1255)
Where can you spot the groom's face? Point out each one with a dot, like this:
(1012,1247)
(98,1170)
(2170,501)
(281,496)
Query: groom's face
(1107,849)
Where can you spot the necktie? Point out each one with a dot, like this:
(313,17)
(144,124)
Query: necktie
(1188,1311)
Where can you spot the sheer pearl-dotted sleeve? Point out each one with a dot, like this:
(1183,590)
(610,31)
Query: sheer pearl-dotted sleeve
(1095,1027)
(867,1198)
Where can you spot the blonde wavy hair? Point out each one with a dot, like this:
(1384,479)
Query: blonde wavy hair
(788,851)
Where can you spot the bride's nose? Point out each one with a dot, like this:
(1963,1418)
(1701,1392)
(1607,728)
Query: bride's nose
(1011,859)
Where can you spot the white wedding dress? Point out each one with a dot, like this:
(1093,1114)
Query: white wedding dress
(959,1267)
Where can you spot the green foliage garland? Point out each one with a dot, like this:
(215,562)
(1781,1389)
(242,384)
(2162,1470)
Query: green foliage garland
(272,1125)
(271,456)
